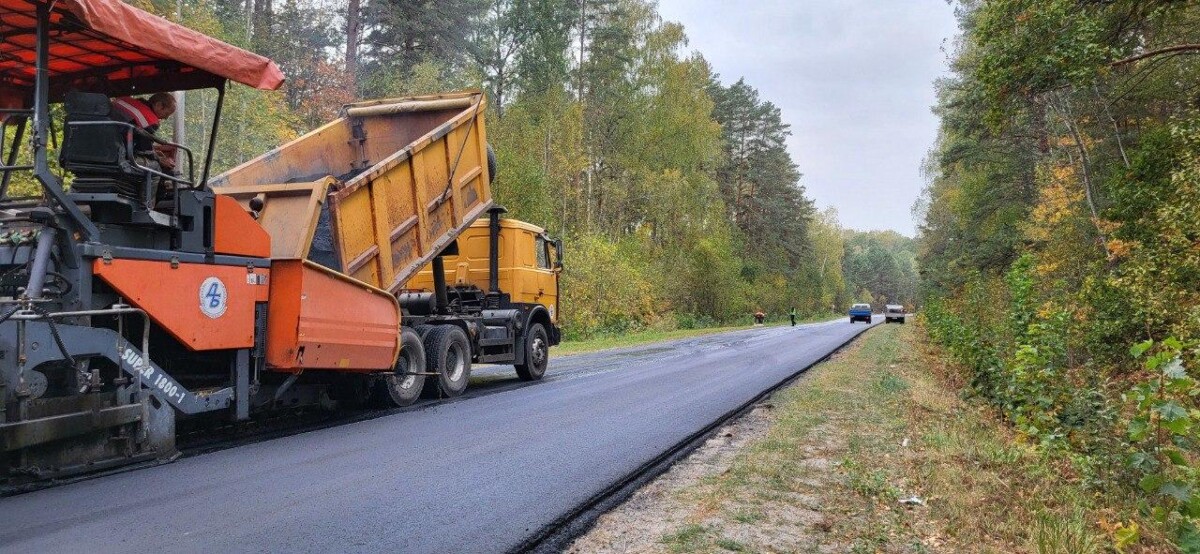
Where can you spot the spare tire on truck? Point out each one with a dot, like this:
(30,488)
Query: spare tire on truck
(448,355)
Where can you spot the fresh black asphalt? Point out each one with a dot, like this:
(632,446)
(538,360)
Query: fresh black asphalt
(480,474)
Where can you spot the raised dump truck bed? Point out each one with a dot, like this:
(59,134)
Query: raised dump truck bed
(376,193)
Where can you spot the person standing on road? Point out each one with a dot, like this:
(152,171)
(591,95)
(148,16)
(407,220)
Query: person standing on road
(792,314)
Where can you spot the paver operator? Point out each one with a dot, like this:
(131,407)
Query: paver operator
(147,115)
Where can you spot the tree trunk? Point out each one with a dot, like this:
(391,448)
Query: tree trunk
(1085,163)
(353,29)
(582,42)
(1116,127)
(499,94)
(261,23)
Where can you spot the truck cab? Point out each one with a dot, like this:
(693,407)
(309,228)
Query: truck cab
(894,312)
(528,265)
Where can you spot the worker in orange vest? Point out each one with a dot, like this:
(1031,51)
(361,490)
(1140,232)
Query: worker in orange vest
(147,115)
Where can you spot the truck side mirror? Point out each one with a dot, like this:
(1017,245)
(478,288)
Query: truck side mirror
(558,254)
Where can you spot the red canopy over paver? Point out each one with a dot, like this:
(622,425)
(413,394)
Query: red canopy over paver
(109,46)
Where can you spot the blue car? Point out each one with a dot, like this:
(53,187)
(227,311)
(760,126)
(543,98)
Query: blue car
(860,312)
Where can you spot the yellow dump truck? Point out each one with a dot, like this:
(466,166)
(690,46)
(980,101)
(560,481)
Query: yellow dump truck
(393,195)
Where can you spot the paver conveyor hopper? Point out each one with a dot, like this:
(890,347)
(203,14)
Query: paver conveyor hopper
(136,297)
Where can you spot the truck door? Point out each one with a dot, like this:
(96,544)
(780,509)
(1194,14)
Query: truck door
(534,278)
(547,277)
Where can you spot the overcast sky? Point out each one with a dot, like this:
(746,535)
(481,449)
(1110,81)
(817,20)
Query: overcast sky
(854,78)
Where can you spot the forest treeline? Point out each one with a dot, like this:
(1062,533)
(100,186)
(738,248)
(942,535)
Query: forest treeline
(674,190)
(1060,249)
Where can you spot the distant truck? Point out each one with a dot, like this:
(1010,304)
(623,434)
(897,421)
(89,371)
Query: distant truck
(894,312)
(860,312)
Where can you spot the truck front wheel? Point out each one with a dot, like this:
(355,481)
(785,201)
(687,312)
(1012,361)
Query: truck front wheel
(448,354)
(537,354)
(403,386)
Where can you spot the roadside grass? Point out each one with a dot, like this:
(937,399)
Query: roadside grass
(638,338)
(870,452)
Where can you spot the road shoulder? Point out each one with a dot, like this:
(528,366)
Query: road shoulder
(869,452)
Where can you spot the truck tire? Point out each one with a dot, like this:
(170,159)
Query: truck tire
(448,354)
(537,354)
(401,388)
(423,330)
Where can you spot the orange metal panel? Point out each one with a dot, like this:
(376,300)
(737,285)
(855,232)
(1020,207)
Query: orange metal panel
(205,307)
(283,315)
(320,319)
(289,213)
(235,232)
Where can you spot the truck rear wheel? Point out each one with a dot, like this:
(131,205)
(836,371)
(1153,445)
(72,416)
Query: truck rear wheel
(448,354)
(404,385)
(423,330)
(537,354)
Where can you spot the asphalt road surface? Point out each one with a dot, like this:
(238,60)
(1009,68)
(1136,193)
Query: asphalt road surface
(480,474)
